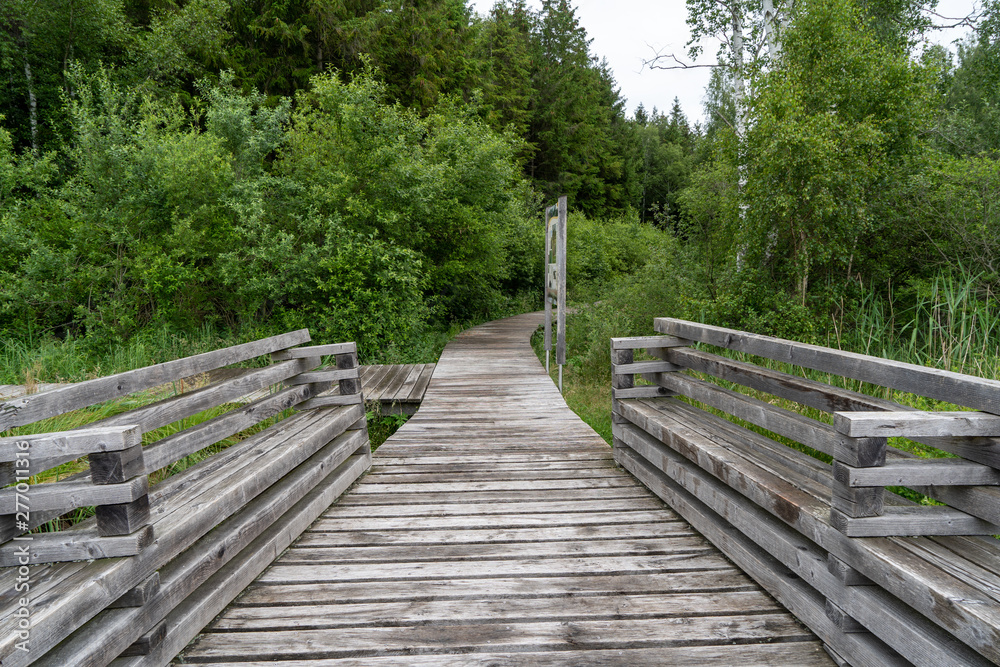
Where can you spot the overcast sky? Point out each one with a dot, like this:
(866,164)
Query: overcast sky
(626,32)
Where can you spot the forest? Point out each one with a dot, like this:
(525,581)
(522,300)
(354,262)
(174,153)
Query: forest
(175,174)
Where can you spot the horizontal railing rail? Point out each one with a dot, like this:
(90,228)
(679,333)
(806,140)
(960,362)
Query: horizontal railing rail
(120,586)
(795,479)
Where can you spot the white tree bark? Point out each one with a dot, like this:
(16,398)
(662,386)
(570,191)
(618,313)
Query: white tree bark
(32,106)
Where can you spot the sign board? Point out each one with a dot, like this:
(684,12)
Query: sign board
(555,282)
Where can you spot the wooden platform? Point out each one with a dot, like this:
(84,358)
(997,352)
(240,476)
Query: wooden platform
(398,389)
(494,528)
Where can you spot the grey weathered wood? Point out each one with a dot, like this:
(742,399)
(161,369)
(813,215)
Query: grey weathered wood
(648,342)
(918,472)
(323,376)
(74,545)
(32,408)
(842,620)
(178,530)
(313,351)
(857,502)
(400,538)
(147,643)
(190,403)
(644,367)
(958,607)
(139,595)
(790,590)
(860,452)
(123,518)
(969,391)
(911,424)
(665,471)
(346,362)
(175,447)
(640,392)
(934,520)
(330,401)
(70,443)
(561,303)
(116,467)
(281,512)
(846,574)
(66,496)
(809,432)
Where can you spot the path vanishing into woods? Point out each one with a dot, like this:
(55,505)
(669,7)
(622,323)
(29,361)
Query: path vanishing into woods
(494,528)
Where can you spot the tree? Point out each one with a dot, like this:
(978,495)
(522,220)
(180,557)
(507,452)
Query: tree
(831,128)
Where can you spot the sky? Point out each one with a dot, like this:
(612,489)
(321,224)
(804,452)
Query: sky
(627,32)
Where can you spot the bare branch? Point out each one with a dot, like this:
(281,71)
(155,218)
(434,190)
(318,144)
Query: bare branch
(652,63)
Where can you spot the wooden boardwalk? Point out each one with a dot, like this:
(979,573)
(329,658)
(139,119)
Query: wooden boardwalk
(494,528)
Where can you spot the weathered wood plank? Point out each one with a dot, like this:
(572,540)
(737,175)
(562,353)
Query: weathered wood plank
(71,444)
(648,342)
(918,472)
(66,496)
(313,351)
(912,424)
(73,545)
(969,391)
(36,407)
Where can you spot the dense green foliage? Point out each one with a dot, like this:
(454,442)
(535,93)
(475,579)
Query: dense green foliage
(375,171)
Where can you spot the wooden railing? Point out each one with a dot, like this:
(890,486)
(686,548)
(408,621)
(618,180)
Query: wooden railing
(880,579)
(134,584)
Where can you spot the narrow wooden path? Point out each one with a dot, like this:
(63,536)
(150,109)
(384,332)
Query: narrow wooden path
(494,528)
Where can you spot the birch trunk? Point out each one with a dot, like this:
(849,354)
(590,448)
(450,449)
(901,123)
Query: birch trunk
(32,106)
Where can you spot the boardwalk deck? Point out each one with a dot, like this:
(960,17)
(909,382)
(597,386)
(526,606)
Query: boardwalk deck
(494,528)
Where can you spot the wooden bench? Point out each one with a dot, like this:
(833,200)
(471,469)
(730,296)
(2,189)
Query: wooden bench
(880,579)
(134,584)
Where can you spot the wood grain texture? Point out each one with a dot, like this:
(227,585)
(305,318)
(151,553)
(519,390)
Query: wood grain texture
(35,407)
(911,424)
(965,390)
(493,520)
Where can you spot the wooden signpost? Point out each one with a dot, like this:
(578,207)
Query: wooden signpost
(555,282)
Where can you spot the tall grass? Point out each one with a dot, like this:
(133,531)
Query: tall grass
(950,322)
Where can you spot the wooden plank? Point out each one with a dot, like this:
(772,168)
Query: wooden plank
(328,375)
(622,605)
(497,588)
(707,504)
(315,554)
(73,545)
(934,520)
(164,412)
(330,401)
(918,472)
(313,351)
(70,443)
(956,388)
(406,390)
(198,609)
(36,407)
(914,424)
(318,480)
(636,367)
(790,424)
(648,342)
(56,618)
(350,642)
(139,595)
(888,566)
(795,654)
(640,392)
(66,496)
(195,438)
